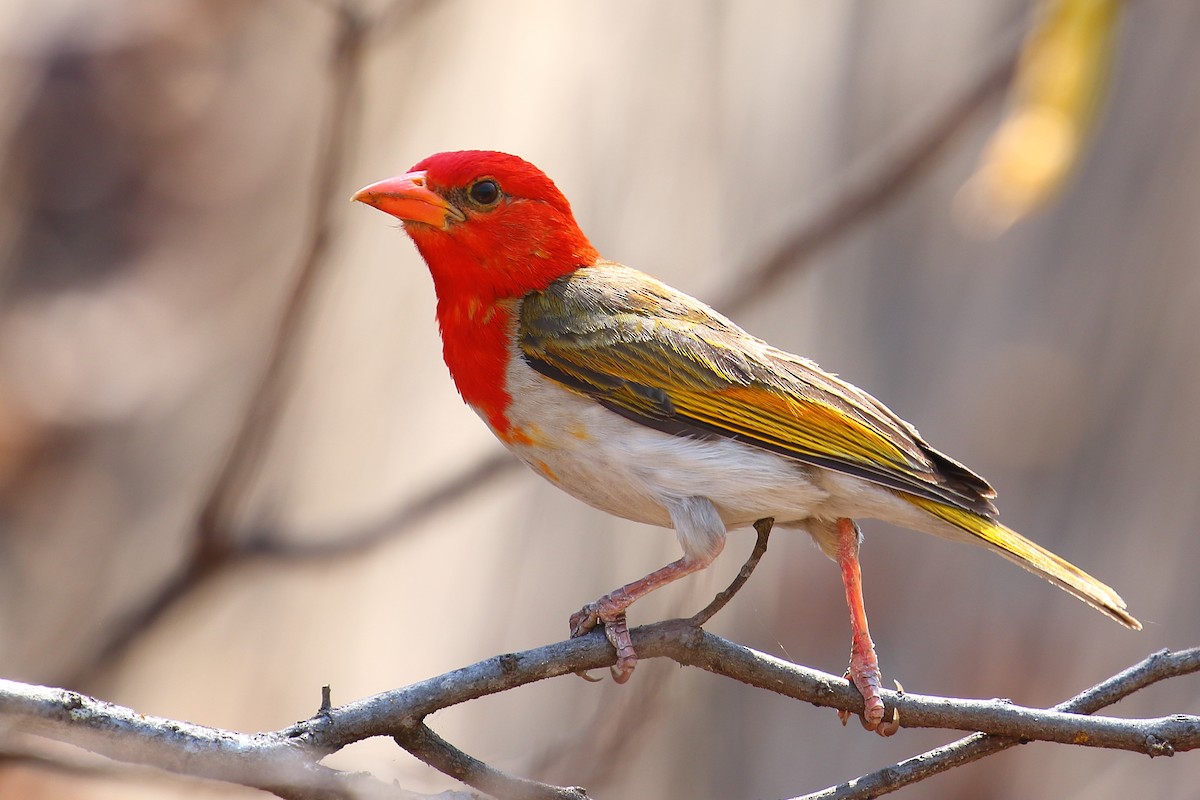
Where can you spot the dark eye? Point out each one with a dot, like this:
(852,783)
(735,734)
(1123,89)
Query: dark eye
(484,192)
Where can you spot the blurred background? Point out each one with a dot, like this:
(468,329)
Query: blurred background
(233,467)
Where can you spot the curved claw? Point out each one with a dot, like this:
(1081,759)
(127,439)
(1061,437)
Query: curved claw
(889,727)
(892,725)
(882,728)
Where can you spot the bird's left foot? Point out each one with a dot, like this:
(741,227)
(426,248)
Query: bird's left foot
(608,611)
(864,673)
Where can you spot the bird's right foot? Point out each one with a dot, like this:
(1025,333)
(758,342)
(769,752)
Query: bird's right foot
(864,673)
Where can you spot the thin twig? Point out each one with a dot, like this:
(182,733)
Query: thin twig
(435,751)
(287,761)
(763,528)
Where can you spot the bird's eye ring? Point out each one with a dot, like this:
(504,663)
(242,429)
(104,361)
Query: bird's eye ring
(484,192)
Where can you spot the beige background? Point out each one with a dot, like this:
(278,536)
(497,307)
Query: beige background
(156,201)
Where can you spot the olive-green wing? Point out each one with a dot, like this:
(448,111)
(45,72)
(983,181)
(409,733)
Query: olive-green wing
(665,360)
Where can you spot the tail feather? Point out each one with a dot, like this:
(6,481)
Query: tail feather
(1033,557)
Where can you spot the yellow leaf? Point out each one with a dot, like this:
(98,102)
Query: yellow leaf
(1060,79)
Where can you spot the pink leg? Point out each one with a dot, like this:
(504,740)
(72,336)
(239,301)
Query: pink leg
(864,666)
(610,610)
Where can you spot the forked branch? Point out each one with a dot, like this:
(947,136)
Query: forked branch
(287,762)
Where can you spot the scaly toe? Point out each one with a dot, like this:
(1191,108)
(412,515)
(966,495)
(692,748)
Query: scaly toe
(866,680)
(872,713)
(617,631)
(583,621)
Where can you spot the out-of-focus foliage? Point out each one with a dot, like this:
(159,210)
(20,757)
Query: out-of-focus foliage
(1059,85)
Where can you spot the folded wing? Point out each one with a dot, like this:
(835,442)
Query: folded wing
(661,358)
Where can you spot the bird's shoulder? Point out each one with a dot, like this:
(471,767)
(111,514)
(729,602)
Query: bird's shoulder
(611,311)
(592,296)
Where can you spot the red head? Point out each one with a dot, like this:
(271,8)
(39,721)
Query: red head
(489,225)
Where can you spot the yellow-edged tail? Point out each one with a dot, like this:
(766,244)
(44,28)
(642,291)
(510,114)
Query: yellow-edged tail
(1033,557)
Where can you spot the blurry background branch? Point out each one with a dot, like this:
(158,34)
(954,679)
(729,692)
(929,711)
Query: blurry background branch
(286,762)
(215,545)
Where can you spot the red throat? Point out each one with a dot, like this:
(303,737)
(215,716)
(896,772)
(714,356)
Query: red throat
(475,345)
(480,278)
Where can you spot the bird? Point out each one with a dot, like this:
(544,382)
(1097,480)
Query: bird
(646,403)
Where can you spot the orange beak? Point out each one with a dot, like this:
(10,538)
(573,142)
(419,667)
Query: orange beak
(406,197)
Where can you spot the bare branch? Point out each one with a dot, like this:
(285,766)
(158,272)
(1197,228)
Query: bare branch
(286,762)
(1154,737)
(266,761)
(124,734)
(441,755)
(1160,665)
